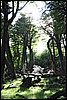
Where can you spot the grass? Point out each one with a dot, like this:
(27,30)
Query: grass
(34,92)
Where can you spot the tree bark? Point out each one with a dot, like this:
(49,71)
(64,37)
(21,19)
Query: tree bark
(52,59)
(60,54)
(24,55)
(54,55)
(18,57)
(5,10)
(10,62)
(31,55)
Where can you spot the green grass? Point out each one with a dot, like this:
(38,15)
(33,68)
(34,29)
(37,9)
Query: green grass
(36,92)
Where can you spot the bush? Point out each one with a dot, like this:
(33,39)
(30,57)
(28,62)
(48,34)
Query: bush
(43,59)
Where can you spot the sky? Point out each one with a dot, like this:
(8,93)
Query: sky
(34,10)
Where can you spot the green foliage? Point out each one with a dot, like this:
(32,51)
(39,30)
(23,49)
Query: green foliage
(59,16)
(43,59)
(16,34)
(54,18)
(57,11)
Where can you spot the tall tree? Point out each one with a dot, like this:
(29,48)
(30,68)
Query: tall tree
(5,9)
(57,12)
(21,36)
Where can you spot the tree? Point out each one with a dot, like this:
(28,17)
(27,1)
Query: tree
(5,9)
(22,36)
(52,56)
(56,29)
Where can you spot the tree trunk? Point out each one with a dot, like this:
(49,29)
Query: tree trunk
(61,60)
(18,57)
(30,60)
(52,60)
(24,55)
(60,54)
(7,64)
(9,58)
(2,60)
(5,10)
(64,43)
(54,55)
(31,56)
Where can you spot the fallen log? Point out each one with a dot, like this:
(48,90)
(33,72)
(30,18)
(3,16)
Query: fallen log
(27,82)
(47,84)
(11,86)
(46,75)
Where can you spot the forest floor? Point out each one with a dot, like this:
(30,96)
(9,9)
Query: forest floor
(12,90)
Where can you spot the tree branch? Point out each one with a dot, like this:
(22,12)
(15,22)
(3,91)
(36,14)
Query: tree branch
(14,14)
(23,6)
(13,8)
(11,19)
